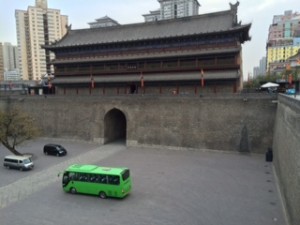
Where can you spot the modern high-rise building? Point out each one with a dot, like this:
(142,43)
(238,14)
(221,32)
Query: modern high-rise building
(283,40)
(36,27)
(10,57)
(170,9)
(263,66)
(10,61)
(255,72)
(261,69)
(1,63)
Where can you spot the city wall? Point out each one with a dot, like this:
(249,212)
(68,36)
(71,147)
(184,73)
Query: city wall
(236,123)
(286,147)
(249,123)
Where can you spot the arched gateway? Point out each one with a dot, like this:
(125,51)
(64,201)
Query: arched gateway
(115,126)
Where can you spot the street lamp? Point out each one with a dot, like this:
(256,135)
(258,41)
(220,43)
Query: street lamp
(296,78)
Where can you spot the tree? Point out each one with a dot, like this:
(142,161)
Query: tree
(259,80)
(15,128)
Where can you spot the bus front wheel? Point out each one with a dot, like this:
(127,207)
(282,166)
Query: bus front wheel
(73,191)
(102,195)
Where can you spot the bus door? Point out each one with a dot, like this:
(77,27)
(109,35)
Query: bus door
(114,185)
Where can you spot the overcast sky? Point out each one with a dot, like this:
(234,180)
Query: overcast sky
(80,12)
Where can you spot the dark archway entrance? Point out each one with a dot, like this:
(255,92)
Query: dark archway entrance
(115,126)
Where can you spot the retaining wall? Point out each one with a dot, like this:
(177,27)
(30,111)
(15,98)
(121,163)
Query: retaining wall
(286,147)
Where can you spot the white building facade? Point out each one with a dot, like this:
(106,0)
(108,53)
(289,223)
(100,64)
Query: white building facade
(36,27)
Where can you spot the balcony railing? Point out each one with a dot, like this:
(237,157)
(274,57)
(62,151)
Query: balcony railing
(140,52)
(157,66)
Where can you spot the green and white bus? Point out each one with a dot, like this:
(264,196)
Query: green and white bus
(95,180)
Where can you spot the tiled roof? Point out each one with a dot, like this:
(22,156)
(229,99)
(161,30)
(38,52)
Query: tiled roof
(201,24)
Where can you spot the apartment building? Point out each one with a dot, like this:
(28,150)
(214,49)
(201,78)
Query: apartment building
(283,40)
(1,63)
(36,27)
(10,57)
(170,9)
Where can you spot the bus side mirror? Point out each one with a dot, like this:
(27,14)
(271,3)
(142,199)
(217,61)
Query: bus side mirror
(58,175)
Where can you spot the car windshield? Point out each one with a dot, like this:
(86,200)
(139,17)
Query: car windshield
(27,161)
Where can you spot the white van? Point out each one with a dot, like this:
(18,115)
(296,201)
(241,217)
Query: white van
(18,162)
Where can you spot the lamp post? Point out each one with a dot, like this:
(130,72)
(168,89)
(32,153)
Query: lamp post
(296,80)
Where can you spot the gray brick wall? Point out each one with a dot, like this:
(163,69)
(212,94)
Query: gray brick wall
(174,121)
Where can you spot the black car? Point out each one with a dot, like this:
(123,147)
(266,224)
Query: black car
(54,149)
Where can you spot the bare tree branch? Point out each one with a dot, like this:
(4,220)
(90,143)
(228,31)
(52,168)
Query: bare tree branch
(15,128)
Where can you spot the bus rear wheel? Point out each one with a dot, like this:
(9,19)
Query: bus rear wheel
(73,190)
(102,195)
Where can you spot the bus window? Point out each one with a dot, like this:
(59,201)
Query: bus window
(83,177)
(102,179)
(72,176)
(94,178)
(113,180)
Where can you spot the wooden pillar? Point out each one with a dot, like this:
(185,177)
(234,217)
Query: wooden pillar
(234,88)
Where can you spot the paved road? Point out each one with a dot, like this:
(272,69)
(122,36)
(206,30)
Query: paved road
(24,187)
(42,162)
(169,187)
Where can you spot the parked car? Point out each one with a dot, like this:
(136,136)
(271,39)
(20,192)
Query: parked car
(18,162)
(54,149)
(290,91)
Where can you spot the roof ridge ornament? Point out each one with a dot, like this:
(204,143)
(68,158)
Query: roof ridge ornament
(235,6)
(234,9)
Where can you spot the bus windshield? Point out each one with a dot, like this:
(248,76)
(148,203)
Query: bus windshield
(125,175)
